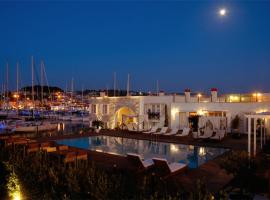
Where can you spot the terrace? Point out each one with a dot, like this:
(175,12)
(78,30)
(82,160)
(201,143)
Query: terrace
(215,177)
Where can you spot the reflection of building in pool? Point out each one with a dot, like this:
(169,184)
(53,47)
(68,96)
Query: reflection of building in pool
(192,155)
(143,112)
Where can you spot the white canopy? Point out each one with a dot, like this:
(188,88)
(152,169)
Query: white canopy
(262,117)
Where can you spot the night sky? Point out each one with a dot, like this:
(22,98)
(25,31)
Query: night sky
(181,44)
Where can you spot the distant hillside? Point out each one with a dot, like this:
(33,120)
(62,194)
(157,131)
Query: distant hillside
(110,92)
(46,89)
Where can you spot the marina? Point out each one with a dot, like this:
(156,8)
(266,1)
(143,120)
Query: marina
(131,100)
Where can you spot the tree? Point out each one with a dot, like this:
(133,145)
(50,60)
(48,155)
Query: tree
(97,124)
(194,121)
(166,121)
(235,122)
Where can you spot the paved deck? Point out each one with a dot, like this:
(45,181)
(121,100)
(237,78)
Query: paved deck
(215,177)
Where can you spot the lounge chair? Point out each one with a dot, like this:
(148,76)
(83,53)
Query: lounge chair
(184,133)
(33,147)
(81,154)
(172,132)
(220,134)
(153,130)
(138,162)
(50,149)
(62,147)
(130,127)
(164,170)
(207,134)
(162,131)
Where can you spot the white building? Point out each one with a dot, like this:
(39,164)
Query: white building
(143,112)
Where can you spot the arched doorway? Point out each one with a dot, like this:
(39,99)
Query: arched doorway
(125,116)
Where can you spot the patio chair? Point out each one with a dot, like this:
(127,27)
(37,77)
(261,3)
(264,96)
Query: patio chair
(207,134)
(130,127)
(50,149)
(165,170)
(172,132)
(220,134)
(184,133)
(137,161)
(81,154)
(33,147)
(162,131)
(153,130)
(62,147)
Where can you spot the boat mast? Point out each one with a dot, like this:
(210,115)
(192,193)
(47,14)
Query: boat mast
(82,93)
(128,85)
(17,84)
(33,97)
(41,80)
(7,77)
(72,88)
(114,84)
(157,87)
(17,78)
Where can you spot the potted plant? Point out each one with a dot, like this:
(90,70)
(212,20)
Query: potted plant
(194,123)
(235,126)
(97,124)
(166,121)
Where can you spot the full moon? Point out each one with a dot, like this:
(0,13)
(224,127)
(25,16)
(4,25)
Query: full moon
(222,12)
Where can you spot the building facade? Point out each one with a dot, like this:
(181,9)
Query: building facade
(144,112)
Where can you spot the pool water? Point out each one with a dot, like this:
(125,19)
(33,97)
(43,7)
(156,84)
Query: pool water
(194,156)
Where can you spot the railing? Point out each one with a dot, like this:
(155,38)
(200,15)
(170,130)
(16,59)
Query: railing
(153,115)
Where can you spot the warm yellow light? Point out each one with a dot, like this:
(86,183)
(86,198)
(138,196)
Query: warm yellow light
(174,148)
(254,94)
(13,187)
(17,196)
(200,112)
(174,111)
(259,94)
(199,95)
(202,151)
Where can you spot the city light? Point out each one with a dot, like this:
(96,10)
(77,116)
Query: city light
(16,96)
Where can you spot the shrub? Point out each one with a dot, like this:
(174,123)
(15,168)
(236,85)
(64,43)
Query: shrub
(97,124)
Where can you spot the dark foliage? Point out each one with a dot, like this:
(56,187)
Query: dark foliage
(46,89)
(97,124)
(153,115)
(166,122)
(235,122)
(194,121)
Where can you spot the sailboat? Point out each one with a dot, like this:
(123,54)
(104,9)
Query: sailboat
(35,126)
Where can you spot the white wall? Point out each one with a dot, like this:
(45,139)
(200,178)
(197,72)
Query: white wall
(231,109)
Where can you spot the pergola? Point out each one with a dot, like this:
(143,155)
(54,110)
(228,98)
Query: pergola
(263,121)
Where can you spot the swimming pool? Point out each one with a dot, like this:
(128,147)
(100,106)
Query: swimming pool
(194,156)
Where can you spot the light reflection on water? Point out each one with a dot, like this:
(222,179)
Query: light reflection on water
(194,156)
(63,128)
